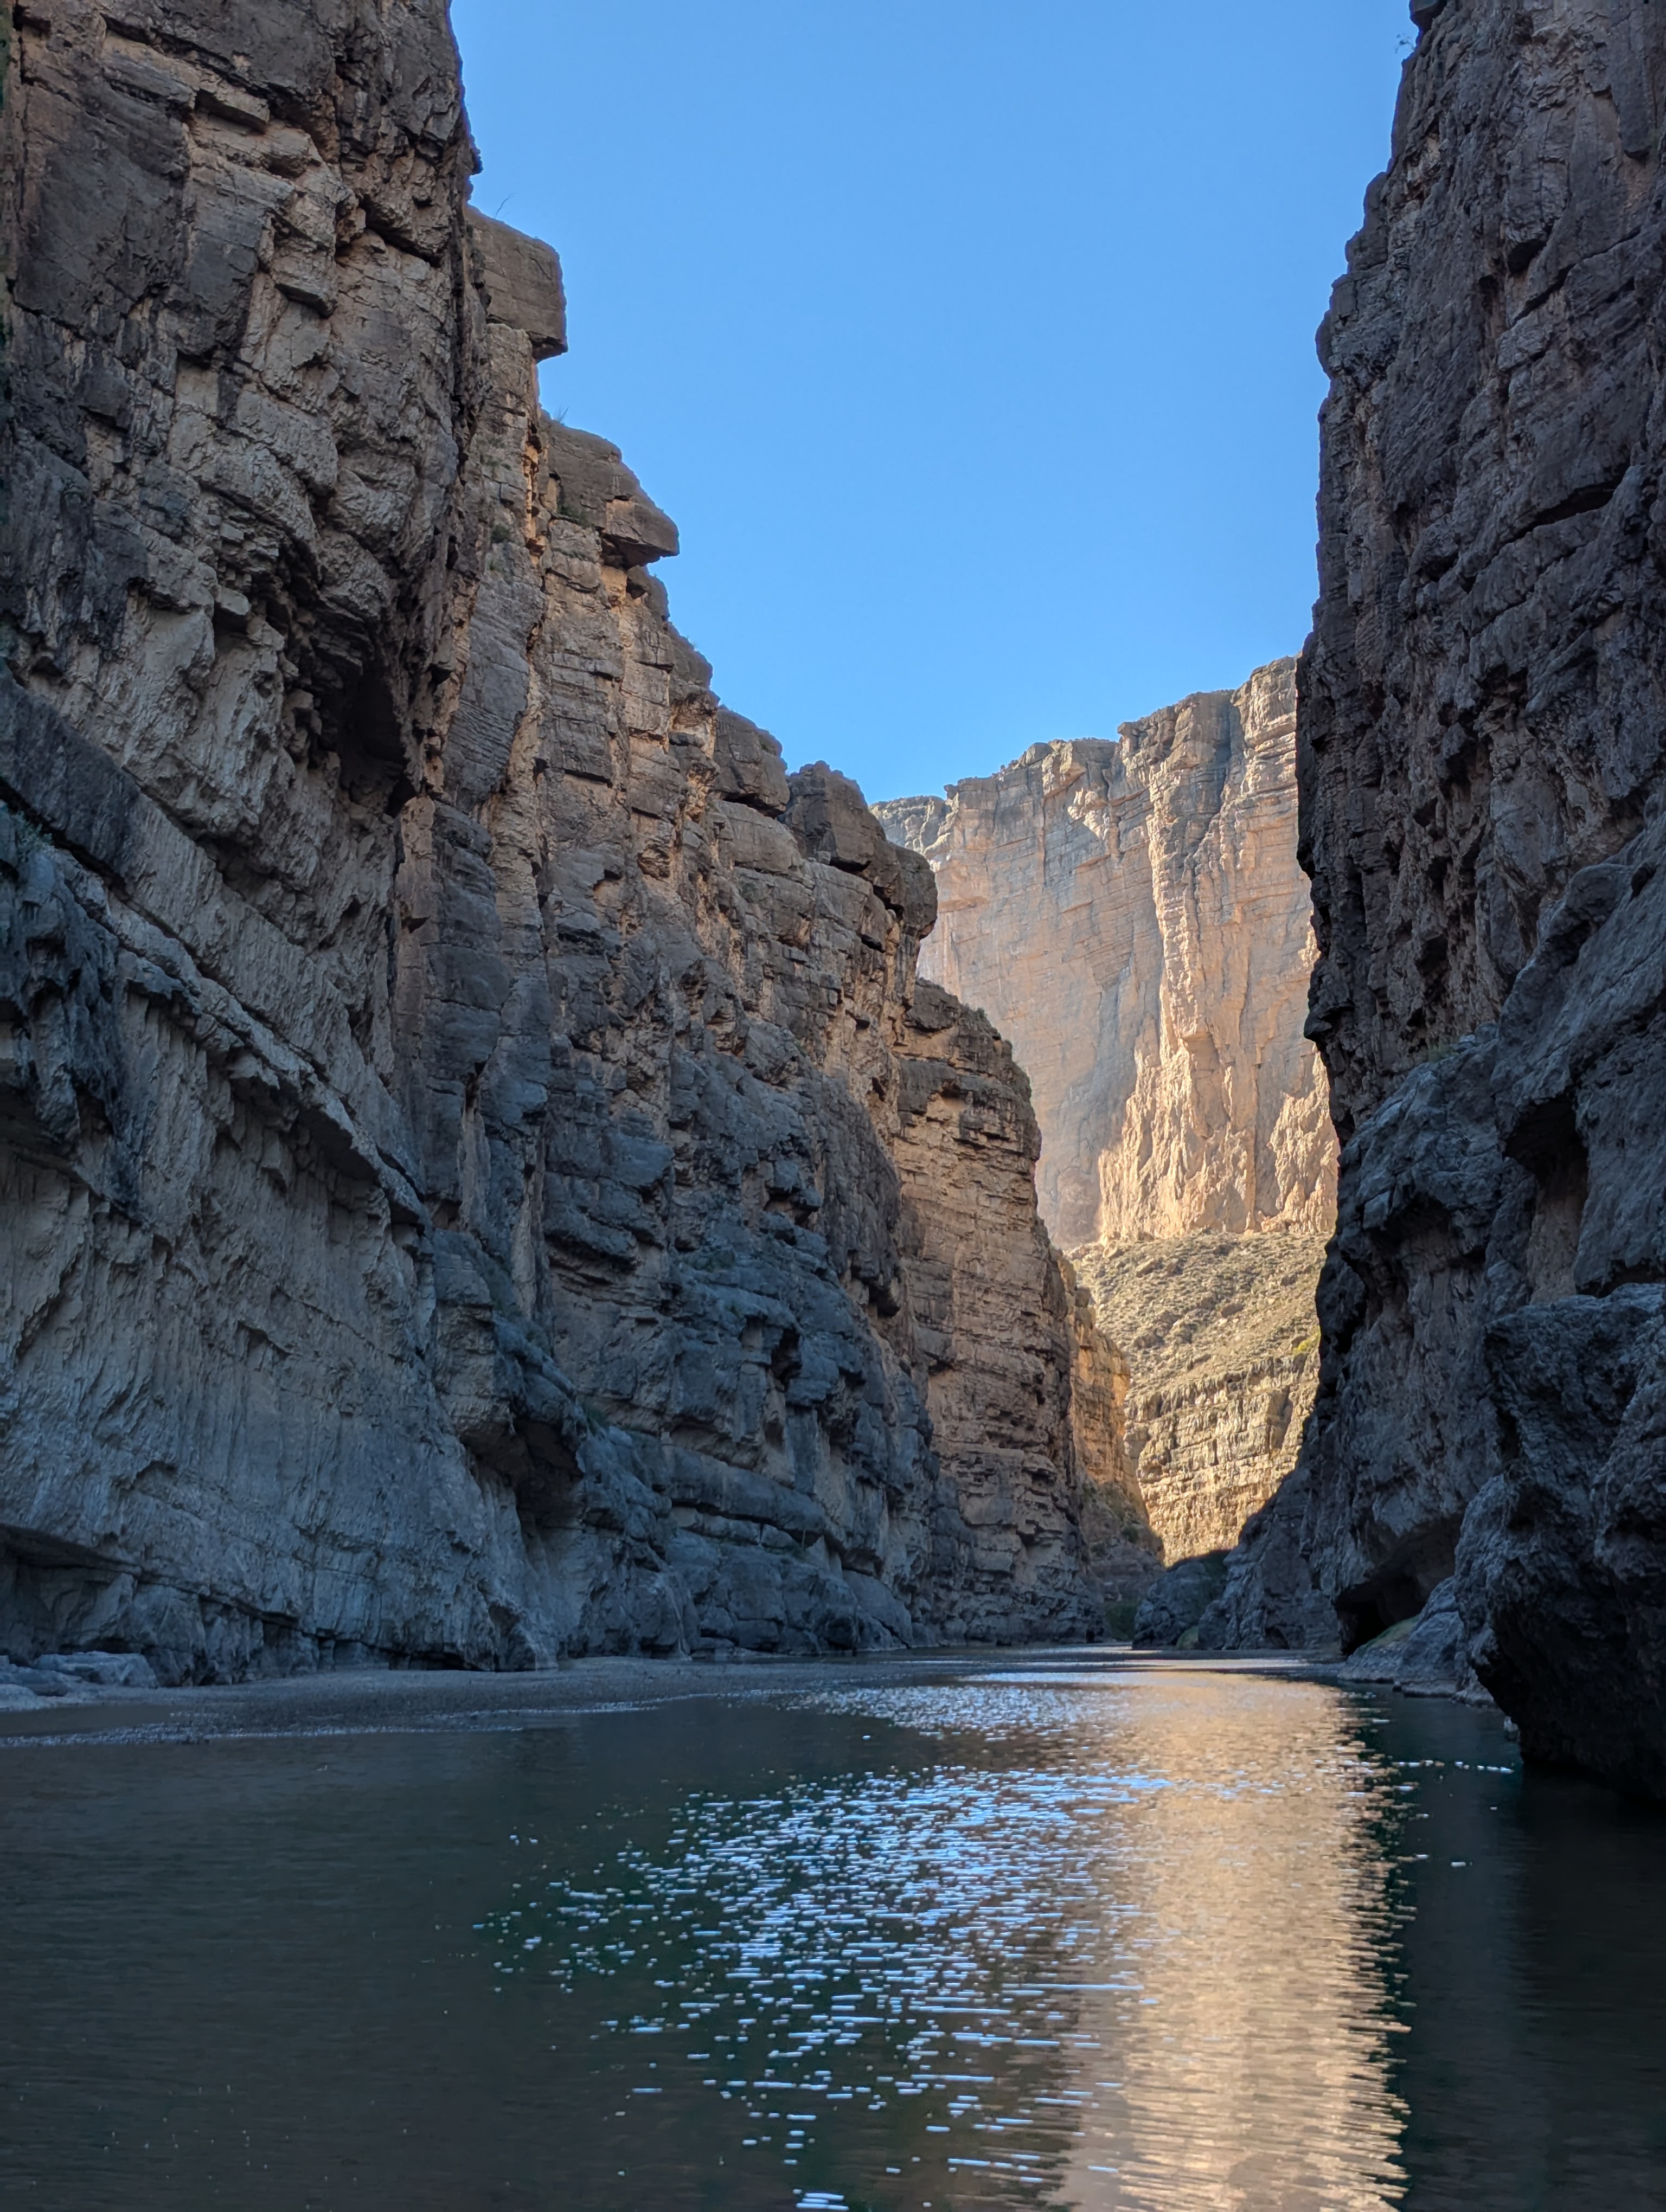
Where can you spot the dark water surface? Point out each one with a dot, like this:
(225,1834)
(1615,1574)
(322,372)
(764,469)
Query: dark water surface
(1045,1935)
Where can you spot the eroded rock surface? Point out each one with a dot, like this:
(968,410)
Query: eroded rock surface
(1483,710)
(1222,1343)
(1134,917)
(478,1177)
(1171,1609)
(1124,1547)
(1425,1657)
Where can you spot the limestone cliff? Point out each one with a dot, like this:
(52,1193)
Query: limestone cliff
(1134,917)
(1222,1343)
(477,1176)
(1483,708)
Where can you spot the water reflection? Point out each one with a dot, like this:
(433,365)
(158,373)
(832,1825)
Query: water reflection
(1254,2063)
(1100,1939)
(1129,1953)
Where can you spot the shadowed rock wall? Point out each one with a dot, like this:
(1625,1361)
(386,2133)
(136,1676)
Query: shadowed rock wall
(479,1179)
(1482,714)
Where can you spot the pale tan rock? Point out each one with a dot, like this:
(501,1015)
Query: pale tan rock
(1222,1339)
(1134,918)
(521,284)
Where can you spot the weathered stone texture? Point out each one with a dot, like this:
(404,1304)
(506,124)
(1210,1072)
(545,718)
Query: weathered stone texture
(1133,917)
(1483,710)
(1124,1548)
(478,1178)
(1425,1657)
(991,1308)
(1222,1342)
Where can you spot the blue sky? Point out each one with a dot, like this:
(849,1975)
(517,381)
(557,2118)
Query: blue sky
(969,342)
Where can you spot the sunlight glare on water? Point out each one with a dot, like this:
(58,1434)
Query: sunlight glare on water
(1089,1935)
(1139,1965)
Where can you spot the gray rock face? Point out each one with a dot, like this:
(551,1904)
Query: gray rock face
(1481,728)
(107,1670)
(1174,1605)
(1426,1657)
(478,1175)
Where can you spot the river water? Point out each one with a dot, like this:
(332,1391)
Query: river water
(1060,1933)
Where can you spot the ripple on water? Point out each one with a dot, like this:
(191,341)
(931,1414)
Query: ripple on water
(1114,1944)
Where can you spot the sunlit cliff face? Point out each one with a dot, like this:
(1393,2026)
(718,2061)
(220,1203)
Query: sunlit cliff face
(1133,918)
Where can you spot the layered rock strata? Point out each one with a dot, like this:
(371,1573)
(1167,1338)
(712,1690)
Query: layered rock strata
(1222,1343)
(1133,916)
(479,1179)
(1482,714)
(1124,1548)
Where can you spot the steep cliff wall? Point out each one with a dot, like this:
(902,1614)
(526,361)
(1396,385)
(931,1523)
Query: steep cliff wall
(1222,1343)
(1482,716)
(1134,917)
(477,1176)
(1124,1549)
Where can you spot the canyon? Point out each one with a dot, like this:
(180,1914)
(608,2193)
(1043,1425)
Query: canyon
(1481,715)
(1132,914)
(481,1175)
(493,1168)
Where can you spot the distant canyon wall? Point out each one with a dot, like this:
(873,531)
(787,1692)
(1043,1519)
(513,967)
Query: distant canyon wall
(1133,916)
(479,1176)
(1222,1343)
(1483,712)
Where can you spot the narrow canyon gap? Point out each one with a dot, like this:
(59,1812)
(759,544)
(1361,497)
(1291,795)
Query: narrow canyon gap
(1134,917)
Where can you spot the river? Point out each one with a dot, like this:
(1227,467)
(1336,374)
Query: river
(1049,1932)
